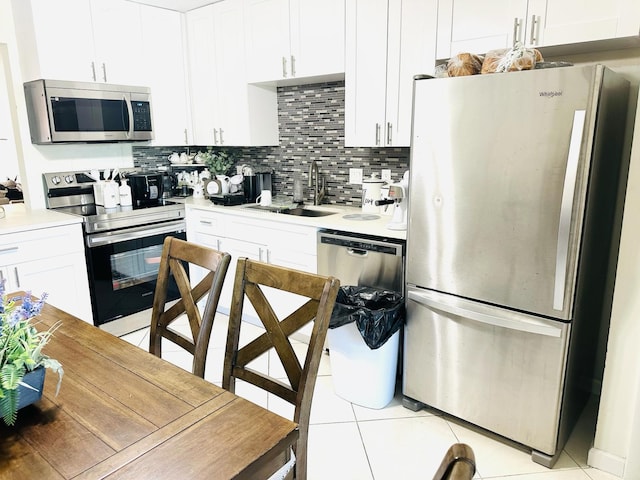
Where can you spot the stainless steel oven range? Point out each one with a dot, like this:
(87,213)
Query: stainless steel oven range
(122,245)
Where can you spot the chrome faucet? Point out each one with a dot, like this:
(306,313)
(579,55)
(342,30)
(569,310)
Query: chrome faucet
(314,177)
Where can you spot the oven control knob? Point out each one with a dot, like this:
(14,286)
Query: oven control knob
(55,180)
(68,178)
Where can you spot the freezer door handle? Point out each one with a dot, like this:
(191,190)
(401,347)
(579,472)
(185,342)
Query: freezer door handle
(566,207)
(515,321)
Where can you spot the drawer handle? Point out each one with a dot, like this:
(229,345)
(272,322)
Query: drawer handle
(8,250)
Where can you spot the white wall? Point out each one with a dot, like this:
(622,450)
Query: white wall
(37,159)
(621,381)
(619,411)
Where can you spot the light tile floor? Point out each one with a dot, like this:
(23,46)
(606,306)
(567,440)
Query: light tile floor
(347,441)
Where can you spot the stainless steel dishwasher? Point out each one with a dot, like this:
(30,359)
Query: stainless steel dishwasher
(359,374)
(365,260)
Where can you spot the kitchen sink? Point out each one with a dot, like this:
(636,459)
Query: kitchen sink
(305,212)
(270,208)
(298,211)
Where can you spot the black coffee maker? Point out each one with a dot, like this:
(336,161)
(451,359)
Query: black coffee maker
(254,184)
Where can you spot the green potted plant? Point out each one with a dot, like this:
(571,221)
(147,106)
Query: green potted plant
(21,356)
(217,161)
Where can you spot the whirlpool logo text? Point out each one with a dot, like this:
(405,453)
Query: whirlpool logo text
(551,94)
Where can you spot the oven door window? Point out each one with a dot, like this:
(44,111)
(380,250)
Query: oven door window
(123,276)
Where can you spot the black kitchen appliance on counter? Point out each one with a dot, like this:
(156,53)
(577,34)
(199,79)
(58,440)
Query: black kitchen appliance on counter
(254,183)
(228,199)
(146,188)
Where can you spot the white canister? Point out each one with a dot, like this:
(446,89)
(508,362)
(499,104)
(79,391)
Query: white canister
(111,194)
(371,191)
(98,192)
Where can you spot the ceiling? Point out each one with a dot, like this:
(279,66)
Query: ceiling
(179,5)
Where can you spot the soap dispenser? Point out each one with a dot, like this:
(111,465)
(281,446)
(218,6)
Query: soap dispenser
(125,194)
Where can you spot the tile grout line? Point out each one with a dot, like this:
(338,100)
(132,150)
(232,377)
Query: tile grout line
(364,447)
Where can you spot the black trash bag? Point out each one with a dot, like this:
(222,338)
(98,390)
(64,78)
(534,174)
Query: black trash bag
(378,313)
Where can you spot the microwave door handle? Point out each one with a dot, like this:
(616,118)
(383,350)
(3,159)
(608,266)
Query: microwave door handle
(127,101)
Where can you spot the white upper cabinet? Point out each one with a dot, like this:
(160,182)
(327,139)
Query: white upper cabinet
(163,66)
(387,43)
(55,39)
(117,39)
(225,109)
(292,39)
(96,40)
(202,74)
(574,21)
(463,27)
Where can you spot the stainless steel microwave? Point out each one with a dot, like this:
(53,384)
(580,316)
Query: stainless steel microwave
(66,112)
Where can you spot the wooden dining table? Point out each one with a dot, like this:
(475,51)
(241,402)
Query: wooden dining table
(123,413)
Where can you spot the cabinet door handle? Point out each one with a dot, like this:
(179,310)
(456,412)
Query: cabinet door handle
(104,72)
(215,136)
(389,132)
(17,277)
(93,71)
(284,67)
(377,134)
(516,30)
(293,66)
(186,138)
(221,138)
(534,26)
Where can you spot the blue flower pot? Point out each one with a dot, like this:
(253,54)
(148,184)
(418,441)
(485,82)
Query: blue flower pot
(35,379)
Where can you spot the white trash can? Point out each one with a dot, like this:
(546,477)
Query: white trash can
(361,375)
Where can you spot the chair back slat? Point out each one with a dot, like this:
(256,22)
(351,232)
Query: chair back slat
(175,254)
(250,280)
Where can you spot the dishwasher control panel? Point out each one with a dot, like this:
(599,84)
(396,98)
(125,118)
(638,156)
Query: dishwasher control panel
(362,260)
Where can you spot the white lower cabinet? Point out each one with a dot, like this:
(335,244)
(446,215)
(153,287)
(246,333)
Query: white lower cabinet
(50,261)
(283,244)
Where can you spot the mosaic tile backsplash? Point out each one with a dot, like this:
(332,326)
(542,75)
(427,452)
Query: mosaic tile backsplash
(311,125)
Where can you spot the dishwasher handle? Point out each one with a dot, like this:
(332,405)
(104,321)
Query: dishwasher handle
(357,252)
(362,243)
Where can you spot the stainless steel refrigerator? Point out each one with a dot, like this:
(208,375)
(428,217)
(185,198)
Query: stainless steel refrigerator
(517,181)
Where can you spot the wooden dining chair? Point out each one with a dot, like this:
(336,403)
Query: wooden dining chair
(459,463)
(175,253)
(320,291)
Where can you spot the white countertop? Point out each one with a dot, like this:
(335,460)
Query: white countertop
(337,221)
(19,218)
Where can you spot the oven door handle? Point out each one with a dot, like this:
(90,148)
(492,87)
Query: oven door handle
(107,238)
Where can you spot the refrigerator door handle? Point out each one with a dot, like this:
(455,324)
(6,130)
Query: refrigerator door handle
(566,207)
(519,322)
